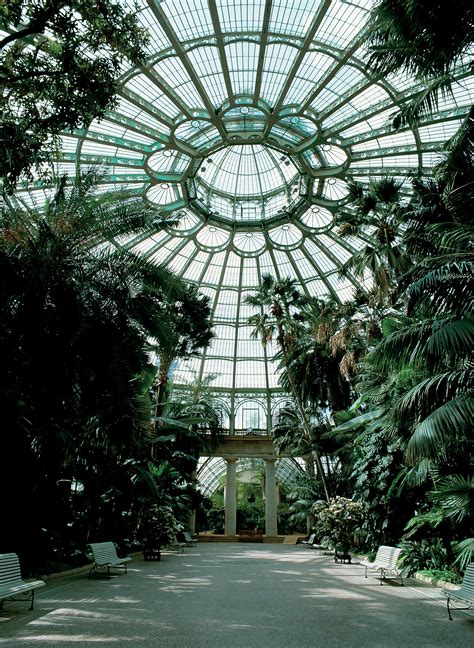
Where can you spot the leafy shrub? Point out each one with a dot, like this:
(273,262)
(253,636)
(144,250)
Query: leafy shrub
(338,521)
(158,526)
(446,575)
(426,554)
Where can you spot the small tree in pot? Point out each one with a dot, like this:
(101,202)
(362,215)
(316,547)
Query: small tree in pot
(337,521)
(157,528)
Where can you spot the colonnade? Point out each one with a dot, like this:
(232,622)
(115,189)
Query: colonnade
(271,500)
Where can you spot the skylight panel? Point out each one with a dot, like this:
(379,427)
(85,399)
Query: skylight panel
(317,217)
(440,131)
(175,75)
(310,72)
(250,374)
(285,269)
(404,138)
(463,91)
(317,288)
(193,271)
(222,348)
(278,62)
(242,58)
(305,268)
(212,236)
(207,64)
(249,270)
(213,272)
(317,254)
(249,242)
(370,96)
(224,370)
(158,39)
(286,234)
(343,286)
(289,17)
(68,144)
(342,23)
(267,265)
(245,15)
(246,346)
(189,20)
(139,116)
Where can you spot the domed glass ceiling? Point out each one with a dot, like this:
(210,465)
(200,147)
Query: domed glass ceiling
(244,127)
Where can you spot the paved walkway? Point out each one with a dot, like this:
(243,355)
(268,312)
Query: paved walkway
(236,595)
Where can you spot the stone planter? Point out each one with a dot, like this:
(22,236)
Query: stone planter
(152,554)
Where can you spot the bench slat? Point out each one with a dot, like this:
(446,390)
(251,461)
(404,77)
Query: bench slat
(385,563)
(105,556)
(11,582)
(465,594)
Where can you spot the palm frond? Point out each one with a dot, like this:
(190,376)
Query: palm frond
(430,437)
(455,494)
(464,552)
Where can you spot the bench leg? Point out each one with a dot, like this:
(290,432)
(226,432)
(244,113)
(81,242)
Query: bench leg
(32,599)
(449,611)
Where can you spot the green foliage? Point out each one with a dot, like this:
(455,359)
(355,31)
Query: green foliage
(446,575)
(74,386)
(157,527)
(338,521)
(376,472)
(59,67)
(425,39)
(425,554)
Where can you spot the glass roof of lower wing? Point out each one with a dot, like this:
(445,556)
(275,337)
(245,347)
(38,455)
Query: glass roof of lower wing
(245,126)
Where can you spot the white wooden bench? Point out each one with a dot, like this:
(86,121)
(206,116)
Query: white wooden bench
(175,545)
(11,583)
(105,557)
(189,540)
(310,541)
(385,563)
(464,595)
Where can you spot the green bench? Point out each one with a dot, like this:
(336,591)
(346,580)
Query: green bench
(105,557)
(12,585)
(464,595)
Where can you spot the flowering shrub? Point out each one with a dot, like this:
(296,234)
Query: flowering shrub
(337,521)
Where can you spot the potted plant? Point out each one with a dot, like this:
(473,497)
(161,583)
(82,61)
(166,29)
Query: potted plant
(157,528)
(337,521)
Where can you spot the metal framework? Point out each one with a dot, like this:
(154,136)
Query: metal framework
(246,123)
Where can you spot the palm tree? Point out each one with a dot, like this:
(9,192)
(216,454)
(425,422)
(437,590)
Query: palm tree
(437,340)
(426,39)
(186,329)
(277,301)
(376,213)
(72,341)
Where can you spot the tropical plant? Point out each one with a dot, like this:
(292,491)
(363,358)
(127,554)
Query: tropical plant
(277,301)
(185,330)
(157,527)
(425,554)
(73,389)
(429,41)
(376,211)
(60,63)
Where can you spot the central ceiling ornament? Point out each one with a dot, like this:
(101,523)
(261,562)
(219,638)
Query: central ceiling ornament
(245,166)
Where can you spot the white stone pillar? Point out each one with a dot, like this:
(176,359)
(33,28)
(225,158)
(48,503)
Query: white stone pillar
(271,520)
(231,498)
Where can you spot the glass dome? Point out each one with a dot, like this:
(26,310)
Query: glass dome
(247,122)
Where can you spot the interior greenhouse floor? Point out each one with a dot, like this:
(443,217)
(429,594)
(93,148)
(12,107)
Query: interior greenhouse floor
(269,595)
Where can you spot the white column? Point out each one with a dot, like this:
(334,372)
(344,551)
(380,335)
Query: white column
(231,498)
(270,499)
